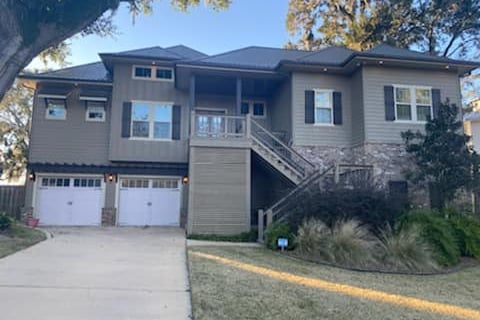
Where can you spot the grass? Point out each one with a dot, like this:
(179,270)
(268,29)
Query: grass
(223,292)
(17,238)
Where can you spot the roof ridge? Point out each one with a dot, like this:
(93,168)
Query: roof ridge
(324,49)
(221,54)
(120,52)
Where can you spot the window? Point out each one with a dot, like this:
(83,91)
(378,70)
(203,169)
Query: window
(55,182)
(256,108)
(95,111)
(87,183)
(164,184)
(152,73)
(413,103)
(134,183)
(323,107)
(151,120)
(56,109)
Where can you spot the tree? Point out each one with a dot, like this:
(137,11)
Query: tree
(15,117)
(444,159)
(29,27)
(448,28)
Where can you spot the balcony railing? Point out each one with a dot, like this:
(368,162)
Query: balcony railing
(213,126)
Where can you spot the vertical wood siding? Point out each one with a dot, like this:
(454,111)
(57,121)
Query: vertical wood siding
(11,200)
(219,200)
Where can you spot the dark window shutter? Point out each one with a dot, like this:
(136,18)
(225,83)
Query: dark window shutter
(337,108)
(176,122)
(126,119)
(309,106)
(389,103)
(436,102)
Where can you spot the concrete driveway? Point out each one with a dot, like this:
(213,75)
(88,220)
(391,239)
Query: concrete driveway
(98,273)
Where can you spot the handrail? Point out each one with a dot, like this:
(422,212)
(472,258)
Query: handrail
(299,163)
(276,207)
(218,126)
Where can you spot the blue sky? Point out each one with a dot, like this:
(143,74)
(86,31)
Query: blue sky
(245,23)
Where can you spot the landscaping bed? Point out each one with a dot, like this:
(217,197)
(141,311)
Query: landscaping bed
(18,237)
(224,292)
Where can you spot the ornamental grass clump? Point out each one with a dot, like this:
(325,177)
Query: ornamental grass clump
(405,250)
(313,239)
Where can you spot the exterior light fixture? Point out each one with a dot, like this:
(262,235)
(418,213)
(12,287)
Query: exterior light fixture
(109,177)
(325,69)
(447,67)
(185,180)
(31,176)
(380,62)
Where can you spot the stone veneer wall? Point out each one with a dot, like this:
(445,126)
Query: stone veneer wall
(389,163)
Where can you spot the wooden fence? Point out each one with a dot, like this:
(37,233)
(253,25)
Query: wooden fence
(12,199)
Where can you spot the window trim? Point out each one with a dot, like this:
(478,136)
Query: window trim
(322,124)
(413,102)
(87,110)
(48,117)
(251,102)
(153,73)
(151,120)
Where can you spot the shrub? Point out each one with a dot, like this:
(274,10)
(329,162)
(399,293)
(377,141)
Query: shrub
(368,205)
(437,231)
(5,222)
(347,243)
(313,239)
(250,236)
(404,249)
(467,232)
(351,244)
(278,230)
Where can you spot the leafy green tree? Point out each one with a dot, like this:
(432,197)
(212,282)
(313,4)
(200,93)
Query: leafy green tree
(15,115)
(449,28)
(29,27)
(444,159)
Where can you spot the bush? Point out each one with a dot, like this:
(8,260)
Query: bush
(313,239)
(278,230)
(467,232)
(437,231)
(5,222)
(351,244)
(347,243)
(241,237)
(404,249)
(368,205)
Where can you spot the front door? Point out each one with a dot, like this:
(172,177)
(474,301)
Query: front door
(210,122)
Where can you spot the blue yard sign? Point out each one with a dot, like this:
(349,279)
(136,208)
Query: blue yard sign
(282,243)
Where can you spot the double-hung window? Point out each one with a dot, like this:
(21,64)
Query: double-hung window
(56,109)
(413,103)
(323,106)
(95,111)
(152,120)
(158,73)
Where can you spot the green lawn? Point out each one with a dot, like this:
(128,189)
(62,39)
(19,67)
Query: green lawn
(224,292)
(17,238)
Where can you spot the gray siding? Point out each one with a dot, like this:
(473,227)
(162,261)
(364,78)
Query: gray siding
(358,121)
(74,140)
(280,112)
(219,200)
(377,129)
(310,134)
(127,89)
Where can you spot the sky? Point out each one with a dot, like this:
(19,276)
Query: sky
(244,23)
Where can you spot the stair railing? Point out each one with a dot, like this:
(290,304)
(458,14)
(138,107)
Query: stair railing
(285,153)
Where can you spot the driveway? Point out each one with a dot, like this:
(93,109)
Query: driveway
(98,273)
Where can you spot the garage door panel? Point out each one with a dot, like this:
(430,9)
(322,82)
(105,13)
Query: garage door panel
(153,201)
(69,201)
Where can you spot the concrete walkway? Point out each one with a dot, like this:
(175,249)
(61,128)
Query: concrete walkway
(98,273)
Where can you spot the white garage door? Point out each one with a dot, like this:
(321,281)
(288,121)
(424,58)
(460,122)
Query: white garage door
(69,201)
(149,202)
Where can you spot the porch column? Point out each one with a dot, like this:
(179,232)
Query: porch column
(239,96)
(192,92)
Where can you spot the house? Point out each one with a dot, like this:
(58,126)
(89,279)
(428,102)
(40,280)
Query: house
(471,122)
(171,136)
